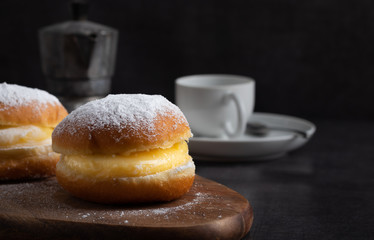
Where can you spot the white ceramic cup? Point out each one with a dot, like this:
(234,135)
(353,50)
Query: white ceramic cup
(216,105)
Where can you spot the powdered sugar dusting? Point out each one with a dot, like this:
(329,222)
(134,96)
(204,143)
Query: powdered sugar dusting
(15,95)
(130,111)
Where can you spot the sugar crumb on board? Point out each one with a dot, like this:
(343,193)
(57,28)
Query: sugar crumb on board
(189,210)
(42,195)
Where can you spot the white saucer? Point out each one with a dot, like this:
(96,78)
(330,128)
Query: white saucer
(254,148)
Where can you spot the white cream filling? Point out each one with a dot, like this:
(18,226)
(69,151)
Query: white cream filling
(24,136)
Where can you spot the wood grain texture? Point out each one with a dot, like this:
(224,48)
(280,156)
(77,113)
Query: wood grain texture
(43,210)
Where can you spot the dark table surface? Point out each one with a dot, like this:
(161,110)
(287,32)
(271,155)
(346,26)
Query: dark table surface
(324,190)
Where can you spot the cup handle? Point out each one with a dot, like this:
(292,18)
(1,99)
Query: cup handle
(241,116)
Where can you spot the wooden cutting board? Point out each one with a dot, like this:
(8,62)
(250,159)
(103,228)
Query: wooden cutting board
(43,210)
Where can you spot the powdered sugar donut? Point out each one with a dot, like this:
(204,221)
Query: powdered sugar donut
(125,148)
(27,119)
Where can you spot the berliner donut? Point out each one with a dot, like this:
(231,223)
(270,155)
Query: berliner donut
(27,119)
(125,148)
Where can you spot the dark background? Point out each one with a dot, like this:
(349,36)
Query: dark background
(312,59)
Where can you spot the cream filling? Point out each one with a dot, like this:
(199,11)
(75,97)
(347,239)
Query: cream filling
(24,136)
(134,165)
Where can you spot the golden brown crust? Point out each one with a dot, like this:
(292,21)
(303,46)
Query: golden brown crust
(33,113)
(20,105)
(105,141)
(88,130)
(163,186)
(28,163)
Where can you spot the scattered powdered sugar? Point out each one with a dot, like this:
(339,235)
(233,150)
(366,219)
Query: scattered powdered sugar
(16,95)
(196,209)
(131,111)
(45,199)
